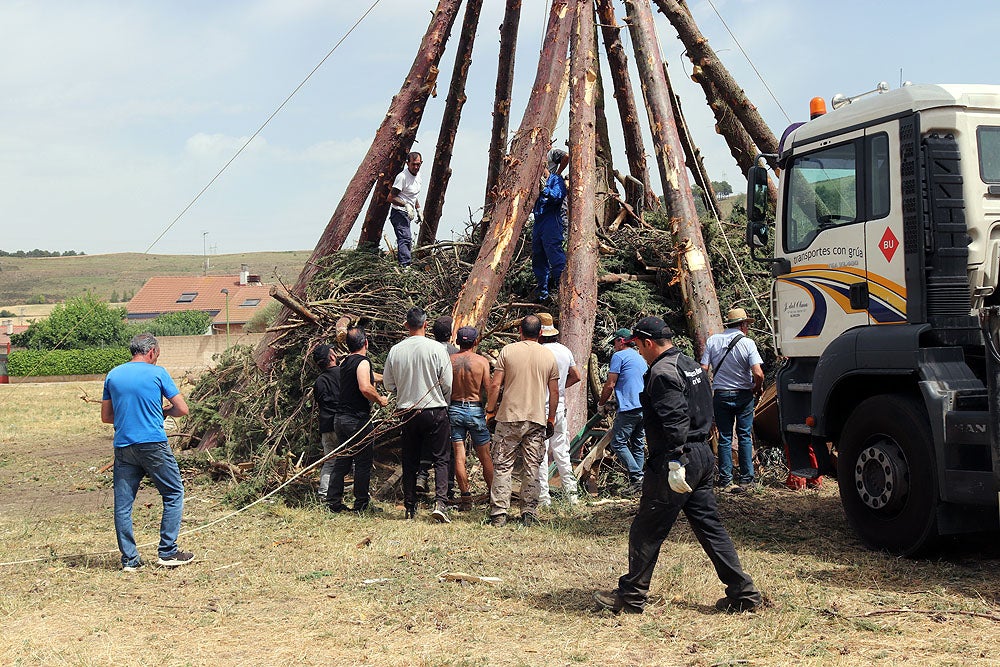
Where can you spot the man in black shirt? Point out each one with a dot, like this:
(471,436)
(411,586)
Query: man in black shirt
(326,392)
(352,425)
(677,408)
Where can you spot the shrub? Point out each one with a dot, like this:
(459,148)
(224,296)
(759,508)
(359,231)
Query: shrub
(90,361)
(263,318)
(181,323)
(80,323)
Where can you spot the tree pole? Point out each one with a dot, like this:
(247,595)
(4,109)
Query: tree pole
(441,169)
(701,304)
(400,142)
(704,57)
(635,151)
(405,112)
(501,104)
(578,291)
(517,186)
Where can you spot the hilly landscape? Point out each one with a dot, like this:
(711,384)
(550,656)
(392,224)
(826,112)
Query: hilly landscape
(116,277)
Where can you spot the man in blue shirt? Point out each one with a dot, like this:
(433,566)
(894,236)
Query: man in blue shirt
(628,440)
(737,378)
(133,402)
(548,259)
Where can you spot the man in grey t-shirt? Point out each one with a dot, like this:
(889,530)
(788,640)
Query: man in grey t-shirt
(418,369)
(737,380)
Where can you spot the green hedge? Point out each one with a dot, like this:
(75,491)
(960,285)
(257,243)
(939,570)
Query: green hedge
(90,361)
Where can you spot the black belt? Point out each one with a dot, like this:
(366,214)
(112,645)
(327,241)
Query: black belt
(469,404)
(733,391)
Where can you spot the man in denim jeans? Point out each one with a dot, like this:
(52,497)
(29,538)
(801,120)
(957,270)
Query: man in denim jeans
(628,440)
(470,384)
(737,379)
(133,402)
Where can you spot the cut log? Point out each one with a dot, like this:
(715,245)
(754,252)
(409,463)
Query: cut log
(405,112)
(701,305)
(615,278)
(292,304)
(501,105)
(405,134)
(635,151)
(517,186)
(692,156)
(441,169)
(578,288)
(704,57)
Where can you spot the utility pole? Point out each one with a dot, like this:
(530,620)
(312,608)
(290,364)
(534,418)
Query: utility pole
(204,250)
(226,292)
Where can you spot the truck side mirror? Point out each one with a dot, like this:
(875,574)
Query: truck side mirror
(757,203)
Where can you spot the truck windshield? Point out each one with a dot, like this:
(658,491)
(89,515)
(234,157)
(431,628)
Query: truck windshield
(822,193)
(989,154)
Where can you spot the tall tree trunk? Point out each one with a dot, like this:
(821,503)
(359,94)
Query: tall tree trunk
(441,170)
(405,112)
(635,151)
(741,146)
(701,305)
(578,291)
(501,105)
(703,56)
(691,153)
(517,186)
(401,140)
(604,174)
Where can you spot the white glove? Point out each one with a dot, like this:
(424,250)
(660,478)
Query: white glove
(675,478)
(411,213)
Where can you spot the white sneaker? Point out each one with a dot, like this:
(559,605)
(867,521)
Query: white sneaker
(573,499)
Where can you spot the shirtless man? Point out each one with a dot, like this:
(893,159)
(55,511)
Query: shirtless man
(471,374)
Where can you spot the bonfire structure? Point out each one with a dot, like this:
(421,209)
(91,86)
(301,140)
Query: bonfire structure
(629,253)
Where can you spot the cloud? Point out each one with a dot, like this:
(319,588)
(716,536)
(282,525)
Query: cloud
(220,145)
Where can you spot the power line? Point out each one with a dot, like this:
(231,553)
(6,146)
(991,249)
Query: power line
(263,125)
(752,66)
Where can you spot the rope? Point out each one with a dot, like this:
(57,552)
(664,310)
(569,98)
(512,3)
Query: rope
(752,66)
(338,451)
(263,125)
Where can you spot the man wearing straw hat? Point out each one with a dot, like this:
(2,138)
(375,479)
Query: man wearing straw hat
(737,379)
(556,447)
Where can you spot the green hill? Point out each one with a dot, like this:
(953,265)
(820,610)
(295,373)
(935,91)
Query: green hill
(55,279)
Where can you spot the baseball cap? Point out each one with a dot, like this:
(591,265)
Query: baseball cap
(466,335)
(650,327)
(623,333)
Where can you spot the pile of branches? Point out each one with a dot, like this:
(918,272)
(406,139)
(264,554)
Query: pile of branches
(271,418)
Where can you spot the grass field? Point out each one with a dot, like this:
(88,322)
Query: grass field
(286,583)
(58,278)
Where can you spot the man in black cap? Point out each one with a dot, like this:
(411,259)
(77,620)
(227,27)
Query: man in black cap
(677,406)
(326,392)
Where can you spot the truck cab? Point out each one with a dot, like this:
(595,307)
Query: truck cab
(885,259)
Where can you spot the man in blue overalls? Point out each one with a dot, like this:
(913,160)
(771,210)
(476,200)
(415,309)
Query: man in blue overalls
(548,259)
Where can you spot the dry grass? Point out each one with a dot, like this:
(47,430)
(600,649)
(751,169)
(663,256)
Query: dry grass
(285,585)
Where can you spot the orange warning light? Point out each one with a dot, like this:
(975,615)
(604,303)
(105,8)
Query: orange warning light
(817,107)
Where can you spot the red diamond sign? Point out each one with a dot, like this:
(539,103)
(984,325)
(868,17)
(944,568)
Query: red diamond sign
(889,244)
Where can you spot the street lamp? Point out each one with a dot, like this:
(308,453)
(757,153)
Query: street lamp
(226,292)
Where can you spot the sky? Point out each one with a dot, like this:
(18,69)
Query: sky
(116,115)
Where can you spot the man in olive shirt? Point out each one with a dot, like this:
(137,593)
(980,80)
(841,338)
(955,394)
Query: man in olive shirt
(524,371)
(471,376)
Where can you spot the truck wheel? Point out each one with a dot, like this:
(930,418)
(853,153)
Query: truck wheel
(887,475)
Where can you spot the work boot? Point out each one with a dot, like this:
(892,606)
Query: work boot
(611,601)
(498,520)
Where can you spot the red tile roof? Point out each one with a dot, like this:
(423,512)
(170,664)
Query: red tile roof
(4,338)
(160,294)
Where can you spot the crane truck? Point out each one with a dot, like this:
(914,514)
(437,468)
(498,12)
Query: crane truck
(885,306)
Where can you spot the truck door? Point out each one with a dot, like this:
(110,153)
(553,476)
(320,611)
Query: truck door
(821,233)
(884,226)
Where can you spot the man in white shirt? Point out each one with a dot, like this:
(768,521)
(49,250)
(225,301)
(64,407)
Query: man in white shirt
(557,447)
(405,206)
(737,379)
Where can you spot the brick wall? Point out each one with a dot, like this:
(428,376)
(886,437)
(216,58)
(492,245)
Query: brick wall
(184,354)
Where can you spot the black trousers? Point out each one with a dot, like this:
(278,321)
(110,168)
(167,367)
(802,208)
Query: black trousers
(658,510)
(429,427)
(346,426)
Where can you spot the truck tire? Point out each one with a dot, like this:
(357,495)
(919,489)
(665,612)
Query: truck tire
(887,475)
